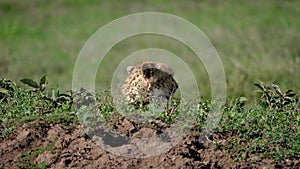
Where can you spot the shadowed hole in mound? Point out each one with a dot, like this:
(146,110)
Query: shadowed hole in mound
(111,139)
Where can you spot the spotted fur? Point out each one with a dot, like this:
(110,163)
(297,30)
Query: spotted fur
(149,80)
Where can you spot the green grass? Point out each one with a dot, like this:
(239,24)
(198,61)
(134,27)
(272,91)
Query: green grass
(20,105)
(268,129)
(255,39)
(259,133)
(26,160)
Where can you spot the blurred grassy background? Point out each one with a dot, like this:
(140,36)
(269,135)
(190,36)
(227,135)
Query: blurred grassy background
(255,39)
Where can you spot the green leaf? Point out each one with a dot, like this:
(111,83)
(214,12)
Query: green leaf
(4,91)
(288,100)
(43,80)
(277,89)
(243,99)
(260,85)
(290,93)
(30,83)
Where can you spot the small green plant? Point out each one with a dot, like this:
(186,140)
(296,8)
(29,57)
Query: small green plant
(274,98)
(6,132)
(171,111)
(18,105)
(7,87)
(270,130)
(27,158)
(237,104)
(41,86)
(54,96)
(257,133)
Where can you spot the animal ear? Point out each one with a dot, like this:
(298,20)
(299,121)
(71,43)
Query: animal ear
(164,68)
(129,69)
(148,69)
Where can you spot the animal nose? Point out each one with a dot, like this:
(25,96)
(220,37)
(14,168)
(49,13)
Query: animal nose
(168,97)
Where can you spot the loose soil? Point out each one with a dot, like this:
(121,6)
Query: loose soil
(71,148)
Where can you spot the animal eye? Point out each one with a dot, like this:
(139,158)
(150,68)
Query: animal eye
(147,73)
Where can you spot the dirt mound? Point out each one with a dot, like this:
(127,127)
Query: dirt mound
(55,146)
